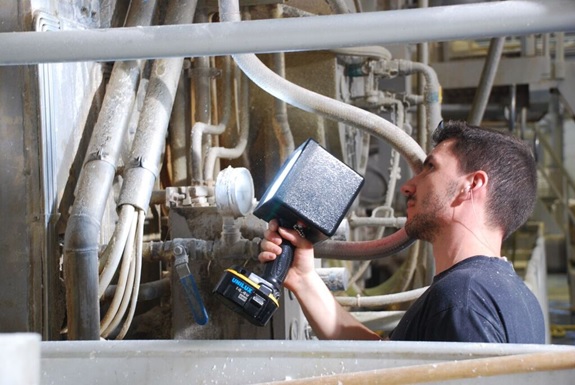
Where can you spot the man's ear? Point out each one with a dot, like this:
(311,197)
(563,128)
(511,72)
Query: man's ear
(479,181)
(474,185)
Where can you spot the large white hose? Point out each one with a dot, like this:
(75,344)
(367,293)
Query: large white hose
(113,252)
(330,108)
(313,102)
(381,300)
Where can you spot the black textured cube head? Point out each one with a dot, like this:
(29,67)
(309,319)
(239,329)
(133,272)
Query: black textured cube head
(313,187)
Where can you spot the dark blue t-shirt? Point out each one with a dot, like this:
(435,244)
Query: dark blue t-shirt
(480,299)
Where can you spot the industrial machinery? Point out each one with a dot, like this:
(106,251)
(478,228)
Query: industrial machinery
(139,136)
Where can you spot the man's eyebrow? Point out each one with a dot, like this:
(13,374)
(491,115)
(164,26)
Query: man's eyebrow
(429,158)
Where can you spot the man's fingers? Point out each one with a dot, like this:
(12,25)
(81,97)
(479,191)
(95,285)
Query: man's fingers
(272,236)
(266,256)
(271,246)
(294,237)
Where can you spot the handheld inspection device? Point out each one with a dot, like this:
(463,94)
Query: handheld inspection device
(312,188)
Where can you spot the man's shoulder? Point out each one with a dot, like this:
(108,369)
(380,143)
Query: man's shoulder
(472,279)
(477,270)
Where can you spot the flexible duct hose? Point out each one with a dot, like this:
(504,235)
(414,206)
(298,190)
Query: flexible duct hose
(364,250)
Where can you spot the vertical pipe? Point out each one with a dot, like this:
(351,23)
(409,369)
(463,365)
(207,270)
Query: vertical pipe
(431,91)
(338,6)
(201,93)
(214,153)
(512,107)
(546,52)
(559,55)
(81,240)
(528,45)
(282,128)
(149,142)
(422,57)
(179,128)
(486,80)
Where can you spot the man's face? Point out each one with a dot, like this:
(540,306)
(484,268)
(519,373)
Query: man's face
(430,193)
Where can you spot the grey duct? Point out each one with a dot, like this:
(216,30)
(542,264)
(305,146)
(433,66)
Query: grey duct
(81,245)
(332,109)
(467,21)
(486,81)
(83,229)
(149,141)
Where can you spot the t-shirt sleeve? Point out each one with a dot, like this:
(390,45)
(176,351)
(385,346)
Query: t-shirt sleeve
(462,324)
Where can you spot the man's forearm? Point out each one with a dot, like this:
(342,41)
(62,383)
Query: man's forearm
(327,318)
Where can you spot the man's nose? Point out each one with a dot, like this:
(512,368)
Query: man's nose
(408,188)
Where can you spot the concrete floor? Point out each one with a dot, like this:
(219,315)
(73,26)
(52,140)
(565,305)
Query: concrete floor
(561,314)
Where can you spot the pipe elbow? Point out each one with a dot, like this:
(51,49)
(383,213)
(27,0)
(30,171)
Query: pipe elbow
(82,234)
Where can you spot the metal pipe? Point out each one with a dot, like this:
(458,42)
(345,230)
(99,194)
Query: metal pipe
(431,91)
(381,300)
(201,128)
(422,57)
(179,128)
(338,6)
(331,108)
(512,107)
(398,222)
(201,79)
(148,291)
(486,81)
(559,63)
(466,21)
(215,153)
(281,127)
(83,229)
(149,142)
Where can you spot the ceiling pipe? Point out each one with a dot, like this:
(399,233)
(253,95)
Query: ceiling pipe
(467,21)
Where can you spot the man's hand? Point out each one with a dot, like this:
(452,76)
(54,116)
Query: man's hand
(303,260)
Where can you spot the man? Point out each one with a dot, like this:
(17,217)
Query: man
(476,187)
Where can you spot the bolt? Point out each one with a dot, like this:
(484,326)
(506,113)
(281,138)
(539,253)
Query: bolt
(178,250)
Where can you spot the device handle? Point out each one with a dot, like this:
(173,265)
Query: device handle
(276,271)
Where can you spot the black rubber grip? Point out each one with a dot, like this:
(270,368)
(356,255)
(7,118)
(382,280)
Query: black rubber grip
(276,271)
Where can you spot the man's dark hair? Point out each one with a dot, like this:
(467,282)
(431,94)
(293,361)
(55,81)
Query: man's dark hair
(510,167)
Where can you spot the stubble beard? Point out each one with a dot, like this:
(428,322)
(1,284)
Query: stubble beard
(426,225)
(422,226)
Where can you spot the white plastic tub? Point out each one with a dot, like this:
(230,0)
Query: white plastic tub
(19,359)
(258,361)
